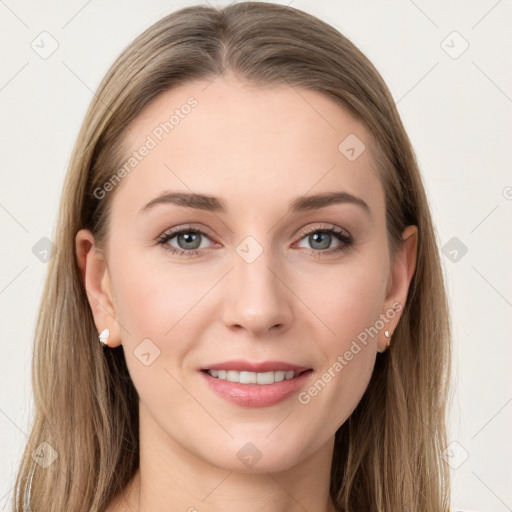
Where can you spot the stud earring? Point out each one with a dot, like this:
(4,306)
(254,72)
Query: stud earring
(103,337)
(388,336)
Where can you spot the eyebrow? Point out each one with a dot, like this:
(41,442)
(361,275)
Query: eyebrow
(215,204)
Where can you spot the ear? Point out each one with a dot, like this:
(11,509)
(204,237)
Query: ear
(403,267)
(96,281)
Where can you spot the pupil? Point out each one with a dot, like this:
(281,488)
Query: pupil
(189,238)
(326,235)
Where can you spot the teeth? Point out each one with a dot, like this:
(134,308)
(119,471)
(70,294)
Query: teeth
(252,377)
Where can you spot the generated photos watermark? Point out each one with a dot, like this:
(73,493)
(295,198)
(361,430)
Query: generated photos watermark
(305,397)
(152,140)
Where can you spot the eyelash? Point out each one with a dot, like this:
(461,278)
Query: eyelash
(346,240)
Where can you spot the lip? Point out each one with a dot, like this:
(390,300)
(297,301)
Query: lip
(243,365)
(256,395)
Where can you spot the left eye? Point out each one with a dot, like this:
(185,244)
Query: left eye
(190,241)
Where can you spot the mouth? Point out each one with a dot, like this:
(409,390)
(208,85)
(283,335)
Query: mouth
(261,378)
(256,389)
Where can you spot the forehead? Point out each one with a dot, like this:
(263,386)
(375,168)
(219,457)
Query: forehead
(236,140)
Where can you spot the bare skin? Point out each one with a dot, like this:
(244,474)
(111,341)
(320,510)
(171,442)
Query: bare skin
(299,301)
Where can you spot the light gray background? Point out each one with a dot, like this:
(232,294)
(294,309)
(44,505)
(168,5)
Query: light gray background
(457,109)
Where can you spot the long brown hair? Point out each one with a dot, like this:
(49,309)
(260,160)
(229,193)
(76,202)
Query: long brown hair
(388,454)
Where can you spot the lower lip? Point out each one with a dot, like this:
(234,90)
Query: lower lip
(256,395)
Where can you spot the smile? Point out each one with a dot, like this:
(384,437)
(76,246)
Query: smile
(245,377)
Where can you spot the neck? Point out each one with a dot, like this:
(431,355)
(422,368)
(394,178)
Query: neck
(171,474)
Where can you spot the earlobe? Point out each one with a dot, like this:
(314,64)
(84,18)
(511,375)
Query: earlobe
(404,266)
(96,281)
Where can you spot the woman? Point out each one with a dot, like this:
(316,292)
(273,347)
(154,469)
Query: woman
(247,305)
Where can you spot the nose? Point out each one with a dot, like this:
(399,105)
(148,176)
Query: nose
(257,297)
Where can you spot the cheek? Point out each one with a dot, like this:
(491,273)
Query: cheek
(350,305)
(153,299)
(346,300)
(158,308)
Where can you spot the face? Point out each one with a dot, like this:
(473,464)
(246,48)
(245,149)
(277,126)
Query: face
(254,273)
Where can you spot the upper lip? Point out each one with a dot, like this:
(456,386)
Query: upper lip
(257,367)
